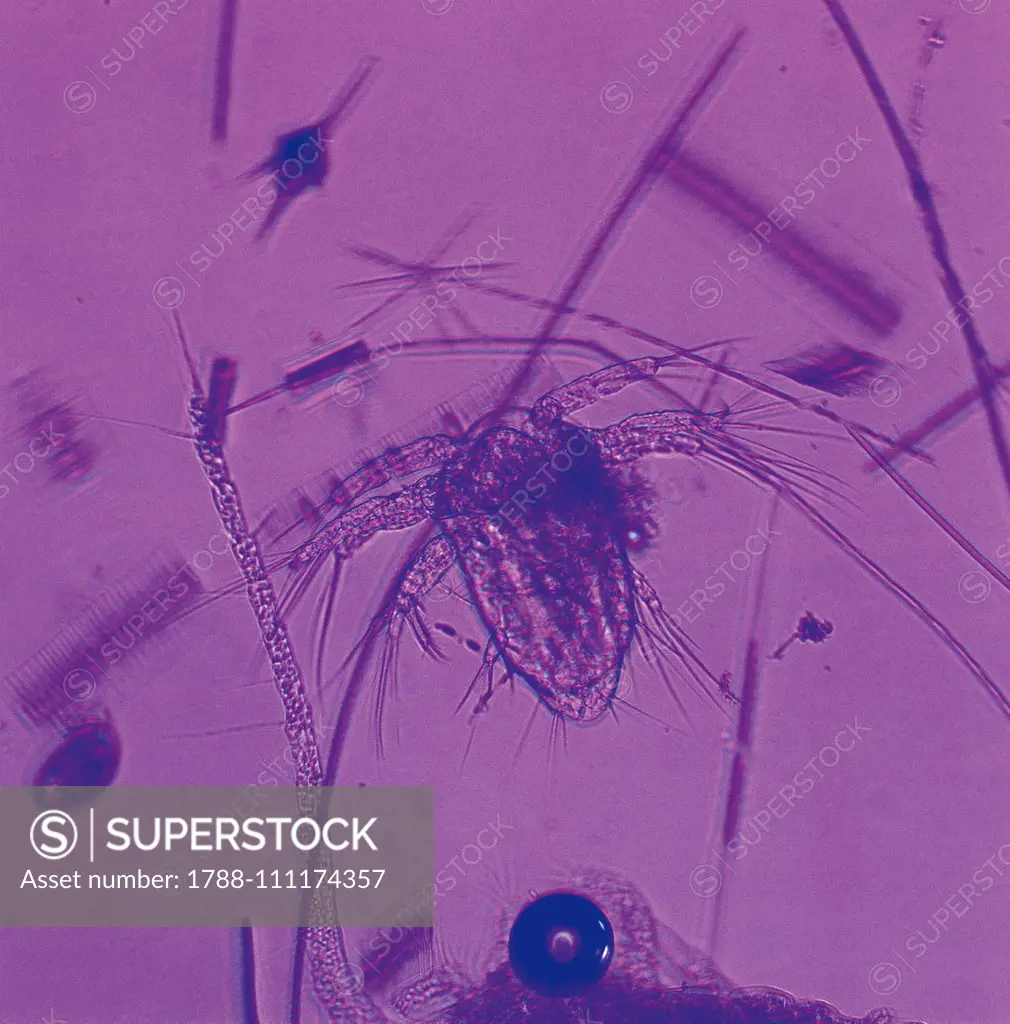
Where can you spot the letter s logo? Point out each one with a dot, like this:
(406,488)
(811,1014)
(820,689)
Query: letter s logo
(53,825)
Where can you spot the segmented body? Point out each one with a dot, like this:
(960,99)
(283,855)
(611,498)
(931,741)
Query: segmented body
(537,526)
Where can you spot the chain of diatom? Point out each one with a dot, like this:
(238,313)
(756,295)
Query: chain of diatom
(298,724)
(327,955)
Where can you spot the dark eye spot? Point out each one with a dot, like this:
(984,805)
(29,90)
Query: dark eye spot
(561,945)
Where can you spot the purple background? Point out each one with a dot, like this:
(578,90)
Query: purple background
(498,108)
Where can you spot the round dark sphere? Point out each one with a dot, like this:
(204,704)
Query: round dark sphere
(561,945)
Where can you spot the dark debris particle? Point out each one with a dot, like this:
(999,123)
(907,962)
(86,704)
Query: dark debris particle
(837,369)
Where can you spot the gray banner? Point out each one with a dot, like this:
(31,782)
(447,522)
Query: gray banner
(214,856)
